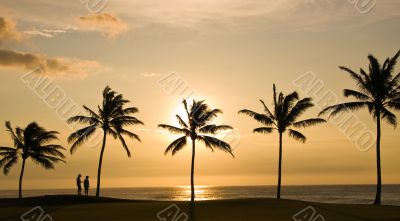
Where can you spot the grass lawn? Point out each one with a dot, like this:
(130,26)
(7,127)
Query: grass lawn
(73,208)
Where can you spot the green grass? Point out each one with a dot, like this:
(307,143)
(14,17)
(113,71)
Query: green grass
(72,208)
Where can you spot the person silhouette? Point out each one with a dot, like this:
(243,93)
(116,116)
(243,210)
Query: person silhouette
(86,184)
(79,184)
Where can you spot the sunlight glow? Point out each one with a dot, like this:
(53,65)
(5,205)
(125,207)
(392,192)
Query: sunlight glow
(178,110)
(202,193)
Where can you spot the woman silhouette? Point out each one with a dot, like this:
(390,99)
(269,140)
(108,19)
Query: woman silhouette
(86,185)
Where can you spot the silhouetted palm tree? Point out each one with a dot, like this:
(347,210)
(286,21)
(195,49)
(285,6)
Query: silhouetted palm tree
(112,118)
(286,110)
(32,142)
(197,126)
(377,91)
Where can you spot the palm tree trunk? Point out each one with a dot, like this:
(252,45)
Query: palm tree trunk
(20,179)
(378,160)
(278,195)
(192,182)
(100,163)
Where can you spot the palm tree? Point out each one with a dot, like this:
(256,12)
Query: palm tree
(197,127)
(378,91)
(286,110)
(32,142)
(112,118)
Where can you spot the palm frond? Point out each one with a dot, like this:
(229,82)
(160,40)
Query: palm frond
(46,137)
(338,108)
(7,166)
(394,104)
(80,136)
(299,108)
(389,117)
(113,132)
(8,149)
(289,101)
(51,158)
(45,162)
(198,112)
(51,149)
(216,143)
(309,122)
(130,134)
(16,139)
(356,94)
(274,95)
(6,157)
(130,110)
(209,116)
(264,130)
(174,129)
(297,135)
(262,118)
(374,65)
(394,94)
(181,121)
(83,119)
(92,113)
(186,108)
(359,80)
(125,120)
(269,113)
(212,128)
(124,145)
(176,145)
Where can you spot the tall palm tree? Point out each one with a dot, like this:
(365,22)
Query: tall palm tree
(198,127)
(32,142)
(378,91)
(112,118)
(286,110)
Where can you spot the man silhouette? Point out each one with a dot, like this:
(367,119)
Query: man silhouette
(86,185)
(79,184)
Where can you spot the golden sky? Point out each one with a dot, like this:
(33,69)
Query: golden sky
(228,52)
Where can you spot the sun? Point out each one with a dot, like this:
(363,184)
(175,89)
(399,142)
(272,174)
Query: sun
(178,110)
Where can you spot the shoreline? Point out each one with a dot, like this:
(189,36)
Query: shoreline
(210,186)
(70,198)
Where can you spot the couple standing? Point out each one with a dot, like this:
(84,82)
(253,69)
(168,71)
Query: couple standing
(85,184)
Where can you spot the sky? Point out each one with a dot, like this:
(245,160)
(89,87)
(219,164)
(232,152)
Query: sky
(227,52)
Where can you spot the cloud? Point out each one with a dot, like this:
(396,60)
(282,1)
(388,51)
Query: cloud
(206,15)
(8,31)
(149,75)
(315,15)
(59,66)
(106,23)
(39,33)
(48,33)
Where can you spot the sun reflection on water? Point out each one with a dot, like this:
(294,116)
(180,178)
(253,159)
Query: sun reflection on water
(202,193)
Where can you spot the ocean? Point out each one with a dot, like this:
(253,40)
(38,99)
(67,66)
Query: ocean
(347,194)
